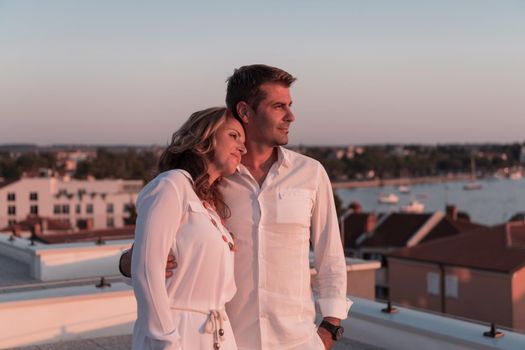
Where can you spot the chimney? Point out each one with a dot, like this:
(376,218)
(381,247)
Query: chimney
(37,229)
(355,207)
(17,230)
(452,211)
(89,224)
(371,222)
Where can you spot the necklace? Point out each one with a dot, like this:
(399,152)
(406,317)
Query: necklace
(231,245)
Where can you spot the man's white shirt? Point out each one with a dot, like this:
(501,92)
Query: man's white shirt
(274,225)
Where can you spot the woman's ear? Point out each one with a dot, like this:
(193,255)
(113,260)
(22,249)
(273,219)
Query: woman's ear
(243,110)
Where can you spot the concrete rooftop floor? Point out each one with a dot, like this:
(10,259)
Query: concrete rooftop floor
(123,342)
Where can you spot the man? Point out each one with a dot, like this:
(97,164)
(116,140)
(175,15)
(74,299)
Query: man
(281,203)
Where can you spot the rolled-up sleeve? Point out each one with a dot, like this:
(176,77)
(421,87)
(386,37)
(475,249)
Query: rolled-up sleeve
(159,214)
(329,257)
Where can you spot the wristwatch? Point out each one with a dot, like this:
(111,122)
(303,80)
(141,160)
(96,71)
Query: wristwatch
(336,331)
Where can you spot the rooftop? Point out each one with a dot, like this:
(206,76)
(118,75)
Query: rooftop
(13,272)
(398,229)
(123,342)
(500,248)
(126,232)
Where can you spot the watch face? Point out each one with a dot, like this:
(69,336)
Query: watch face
(339,333)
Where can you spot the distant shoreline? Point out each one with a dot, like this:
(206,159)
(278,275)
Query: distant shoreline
(403,181)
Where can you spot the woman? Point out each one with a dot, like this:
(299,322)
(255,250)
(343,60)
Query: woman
(181,210)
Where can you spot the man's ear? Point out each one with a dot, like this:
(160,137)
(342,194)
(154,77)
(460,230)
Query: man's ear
(243,109)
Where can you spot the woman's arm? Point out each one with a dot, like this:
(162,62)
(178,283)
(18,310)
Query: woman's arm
(159,214)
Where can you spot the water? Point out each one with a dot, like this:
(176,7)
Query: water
(495,203)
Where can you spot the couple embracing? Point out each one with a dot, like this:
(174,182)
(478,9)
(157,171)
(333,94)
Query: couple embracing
(238,213)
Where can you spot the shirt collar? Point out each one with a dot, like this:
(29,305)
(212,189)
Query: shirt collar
(283,157)
(283,160)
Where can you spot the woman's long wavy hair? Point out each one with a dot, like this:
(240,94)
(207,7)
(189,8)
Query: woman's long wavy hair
(191,148)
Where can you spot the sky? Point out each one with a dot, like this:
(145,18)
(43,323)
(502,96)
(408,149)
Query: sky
(370,71)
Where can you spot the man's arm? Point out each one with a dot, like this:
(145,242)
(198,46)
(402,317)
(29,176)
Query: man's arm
(329,258)
(125,263)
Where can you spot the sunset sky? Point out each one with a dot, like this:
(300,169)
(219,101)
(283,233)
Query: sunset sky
(130,72)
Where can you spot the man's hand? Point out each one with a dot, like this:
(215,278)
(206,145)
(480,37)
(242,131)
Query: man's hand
(171,264)
(125,264)
(326,336)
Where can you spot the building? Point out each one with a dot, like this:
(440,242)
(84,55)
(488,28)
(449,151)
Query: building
(102,203)
(370,236)
(478,275)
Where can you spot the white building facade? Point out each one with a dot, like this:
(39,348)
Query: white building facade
(103,203)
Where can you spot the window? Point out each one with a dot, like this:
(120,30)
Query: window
(451,286)
(77,209)
(56,209)
(65,209)
(11,210)
(11,222)
(109,208)
(33,209)
(433,283)
(33,196)
(89,208)
(110,222)
(11,197)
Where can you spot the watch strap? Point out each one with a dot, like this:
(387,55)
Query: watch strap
(335,331)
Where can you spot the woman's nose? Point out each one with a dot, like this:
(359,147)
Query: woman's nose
(242,148)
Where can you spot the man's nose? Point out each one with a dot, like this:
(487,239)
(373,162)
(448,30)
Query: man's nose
(290,117)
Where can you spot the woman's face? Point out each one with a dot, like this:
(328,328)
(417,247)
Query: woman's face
(229,147)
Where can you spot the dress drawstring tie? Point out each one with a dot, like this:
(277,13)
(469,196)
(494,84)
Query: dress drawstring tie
(214,324)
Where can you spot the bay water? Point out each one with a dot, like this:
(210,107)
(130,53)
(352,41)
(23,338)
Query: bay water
(494,203)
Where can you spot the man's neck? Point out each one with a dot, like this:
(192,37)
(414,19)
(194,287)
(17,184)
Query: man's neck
(259,160)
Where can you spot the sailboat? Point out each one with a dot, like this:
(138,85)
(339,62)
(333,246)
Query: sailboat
(473,184)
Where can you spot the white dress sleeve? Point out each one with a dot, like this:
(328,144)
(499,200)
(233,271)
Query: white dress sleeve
(160,211)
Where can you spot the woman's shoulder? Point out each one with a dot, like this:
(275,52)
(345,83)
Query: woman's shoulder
(177,176)
(177,179)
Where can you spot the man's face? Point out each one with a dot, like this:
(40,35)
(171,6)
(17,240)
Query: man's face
(269,124)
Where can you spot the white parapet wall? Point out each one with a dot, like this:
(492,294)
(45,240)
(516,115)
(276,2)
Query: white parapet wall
(414,330)
(56,315)
(83,312)
(52,262)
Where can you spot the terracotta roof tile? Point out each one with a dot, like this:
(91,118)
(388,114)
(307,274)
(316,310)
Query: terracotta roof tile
(485,248)
(125,232)
(396,230)
(27,224)
(356,224)
(448,227)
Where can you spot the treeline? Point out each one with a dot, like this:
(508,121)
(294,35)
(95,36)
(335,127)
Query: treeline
(122,165)
(12,168)
(131,164)
(385,161)
(415,161)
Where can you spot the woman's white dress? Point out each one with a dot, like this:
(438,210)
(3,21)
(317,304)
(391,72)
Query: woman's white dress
(174,313)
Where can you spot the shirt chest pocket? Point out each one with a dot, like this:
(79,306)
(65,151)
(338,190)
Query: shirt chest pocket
(198,218)
(294,206)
